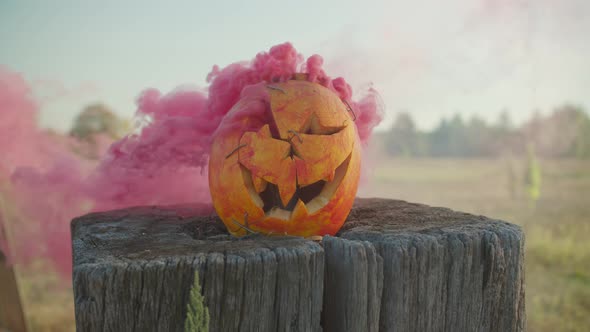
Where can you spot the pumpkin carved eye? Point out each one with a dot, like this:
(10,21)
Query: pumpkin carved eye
(297,174)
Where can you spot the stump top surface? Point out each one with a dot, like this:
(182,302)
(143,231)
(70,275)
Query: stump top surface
(144,233)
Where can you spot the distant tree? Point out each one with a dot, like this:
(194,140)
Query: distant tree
(564,125)
(97,119)
(449,138)
(561,134)
(504,139)
(504,122)
(95,128)
(478,138)
(439,139)
(581,145)
(404,139)
(457,139)
(533,129)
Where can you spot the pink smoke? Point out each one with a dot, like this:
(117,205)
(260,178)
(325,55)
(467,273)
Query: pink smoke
(165,162)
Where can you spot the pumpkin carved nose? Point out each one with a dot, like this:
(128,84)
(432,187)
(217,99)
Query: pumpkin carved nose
(269,159)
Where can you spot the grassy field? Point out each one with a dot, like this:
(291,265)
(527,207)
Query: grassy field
(557,231)
(557,228)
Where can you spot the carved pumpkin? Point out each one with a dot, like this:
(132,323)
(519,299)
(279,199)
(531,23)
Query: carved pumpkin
(297,175)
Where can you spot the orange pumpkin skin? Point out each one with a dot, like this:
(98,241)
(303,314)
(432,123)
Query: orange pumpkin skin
(316,146)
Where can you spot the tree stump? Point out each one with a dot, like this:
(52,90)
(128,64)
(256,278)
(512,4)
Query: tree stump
(394,266)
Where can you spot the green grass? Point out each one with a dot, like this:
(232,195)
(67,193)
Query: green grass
(557,232)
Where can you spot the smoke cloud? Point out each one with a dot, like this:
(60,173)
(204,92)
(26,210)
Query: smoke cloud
(43,184)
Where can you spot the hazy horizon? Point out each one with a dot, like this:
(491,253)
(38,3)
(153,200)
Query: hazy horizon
(430,59)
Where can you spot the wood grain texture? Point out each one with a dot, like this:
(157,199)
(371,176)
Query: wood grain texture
(443,270)
(133,270)
(353,285)
(395,266)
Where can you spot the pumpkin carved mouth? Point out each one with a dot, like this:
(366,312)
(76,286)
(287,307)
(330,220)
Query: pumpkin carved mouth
(306,199)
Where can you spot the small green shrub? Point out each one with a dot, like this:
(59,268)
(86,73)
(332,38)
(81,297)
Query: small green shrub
(197,316)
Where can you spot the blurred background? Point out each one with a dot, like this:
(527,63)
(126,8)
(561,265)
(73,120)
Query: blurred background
(485,109)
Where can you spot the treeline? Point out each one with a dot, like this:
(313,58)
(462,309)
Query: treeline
(563,133)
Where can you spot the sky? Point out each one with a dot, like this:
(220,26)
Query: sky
(429,58)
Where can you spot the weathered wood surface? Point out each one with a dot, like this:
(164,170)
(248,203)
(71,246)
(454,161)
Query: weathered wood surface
(442,270)
(133,270)
(353,285)
(395,266)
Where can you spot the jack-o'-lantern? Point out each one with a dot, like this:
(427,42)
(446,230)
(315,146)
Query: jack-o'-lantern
(296,175)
